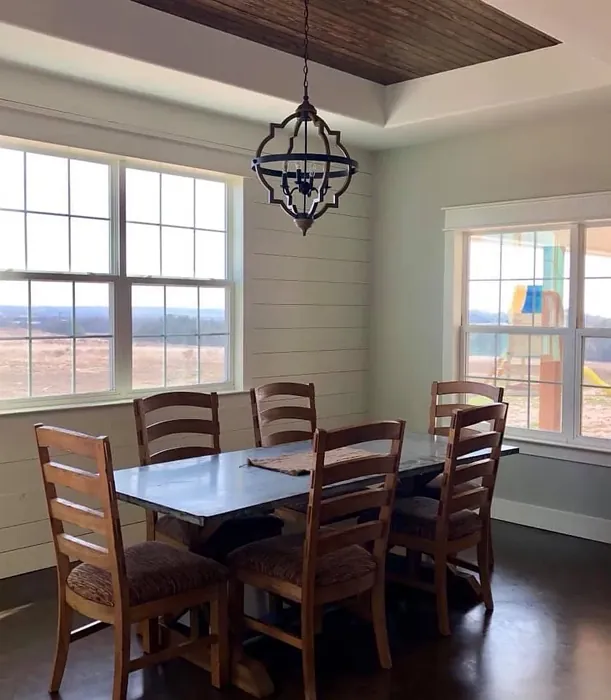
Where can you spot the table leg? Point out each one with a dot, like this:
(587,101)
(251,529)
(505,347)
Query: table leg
(247,674)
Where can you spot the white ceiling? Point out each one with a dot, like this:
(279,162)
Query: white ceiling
(125,45)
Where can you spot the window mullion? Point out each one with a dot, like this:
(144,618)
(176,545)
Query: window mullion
(122,288)
(571,379)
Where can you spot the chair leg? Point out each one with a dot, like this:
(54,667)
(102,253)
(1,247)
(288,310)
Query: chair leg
(219,626)
(490,548)
(122,648)
(378,609)
(64,624)
(308,635)
(483,562)
(441,593)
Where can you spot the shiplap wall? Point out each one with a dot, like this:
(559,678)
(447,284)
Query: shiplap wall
(305,302)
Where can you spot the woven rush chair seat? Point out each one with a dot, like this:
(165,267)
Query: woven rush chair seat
(230,534)
(282,558)
(154,570)
(418,516)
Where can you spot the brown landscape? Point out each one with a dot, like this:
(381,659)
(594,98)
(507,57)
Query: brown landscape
(52,365)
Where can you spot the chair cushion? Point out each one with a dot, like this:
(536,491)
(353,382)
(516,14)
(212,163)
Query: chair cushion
(433,488)
(418,517)
(229,536)
(282,558)
(154,570)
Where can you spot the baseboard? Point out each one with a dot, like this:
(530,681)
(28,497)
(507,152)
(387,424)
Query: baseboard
(564,522)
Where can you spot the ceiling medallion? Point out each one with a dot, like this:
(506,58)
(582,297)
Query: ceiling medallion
(311,181)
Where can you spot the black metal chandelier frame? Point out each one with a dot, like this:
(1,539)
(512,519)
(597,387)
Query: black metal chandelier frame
(305,187)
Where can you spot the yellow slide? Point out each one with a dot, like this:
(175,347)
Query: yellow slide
(590,377)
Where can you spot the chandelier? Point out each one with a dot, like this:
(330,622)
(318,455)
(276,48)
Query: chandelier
(305,180)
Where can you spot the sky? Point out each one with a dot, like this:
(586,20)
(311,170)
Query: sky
(175,227)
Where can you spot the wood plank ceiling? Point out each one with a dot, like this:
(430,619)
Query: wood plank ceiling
(386,41)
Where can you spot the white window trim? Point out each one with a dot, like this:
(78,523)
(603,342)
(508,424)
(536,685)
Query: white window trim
(593,208)
(121,312)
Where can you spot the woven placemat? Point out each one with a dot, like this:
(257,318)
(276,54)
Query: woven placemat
(301,463)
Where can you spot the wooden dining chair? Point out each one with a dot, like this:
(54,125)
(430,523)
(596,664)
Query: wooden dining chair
(184,425)
(332,563)
(440,414)
(264,417)
(117,586)
(458,521)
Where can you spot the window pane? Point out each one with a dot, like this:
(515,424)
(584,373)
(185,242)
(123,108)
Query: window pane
(177,252)
(518,256)
(12,182)
(210,205)
(89,189)
(147,363)
(92,370)
(597,303)
(212,311)
(485,257)
(539,304)
(516,395)
(177,195)
(13,368)
(598,251)
(147,310)
(210,255)
(12,240)
(51,367)
(213,359)
(47,243)
(181,360)
(481,355)
(143,250)
(92,309)
(46,183)
(181,311)
(596,391)
(90,250)
(51,308)
(484,302)
(13,309)
(552,254)
(545,407)
(546,352)
(142,199)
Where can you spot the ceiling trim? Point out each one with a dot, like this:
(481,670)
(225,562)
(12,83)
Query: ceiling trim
(127,46)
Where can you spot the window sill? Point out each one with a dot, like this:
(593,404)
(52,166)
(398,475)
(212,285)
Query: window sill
(88,403)
(581,454)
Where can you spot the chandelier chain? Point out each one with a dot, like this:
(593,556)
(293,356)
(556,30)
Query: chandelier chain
(306,46)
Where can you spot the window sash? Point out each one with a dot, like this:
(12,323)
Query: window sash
(121,285)
(573,336)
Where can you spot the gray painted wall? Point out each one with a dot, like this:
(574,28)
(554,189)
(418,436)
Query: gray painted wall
(549,157)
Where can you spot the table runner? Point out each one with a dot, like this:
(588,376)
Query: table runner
(301,463)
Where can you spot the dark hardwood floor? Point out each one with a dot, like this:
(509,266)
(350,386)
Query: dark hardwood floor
(549,638)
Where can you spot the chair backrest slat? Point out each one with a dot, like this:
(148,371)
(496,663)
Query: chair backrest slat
(348,504)
(459,389)
(479,441)
(77,514)
(470,472)
(263,417)
(150,427)
(473,499)
(72,478)
(358,468)
(103,521)
(322,508)
(481,473)
(77,548)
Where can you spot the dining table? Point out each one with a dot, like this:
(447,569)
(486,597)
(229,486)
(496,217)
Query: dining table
(207,490)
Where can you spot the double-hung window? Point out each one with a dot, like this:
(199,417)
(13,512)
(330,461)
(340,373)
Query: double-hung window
(115,278)
(537,321)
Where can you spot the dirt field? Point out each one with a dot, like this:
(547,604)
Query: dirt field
(52,365)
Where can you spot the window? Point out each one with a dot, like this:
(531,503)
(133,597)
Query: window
(115,277)
(537,321)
